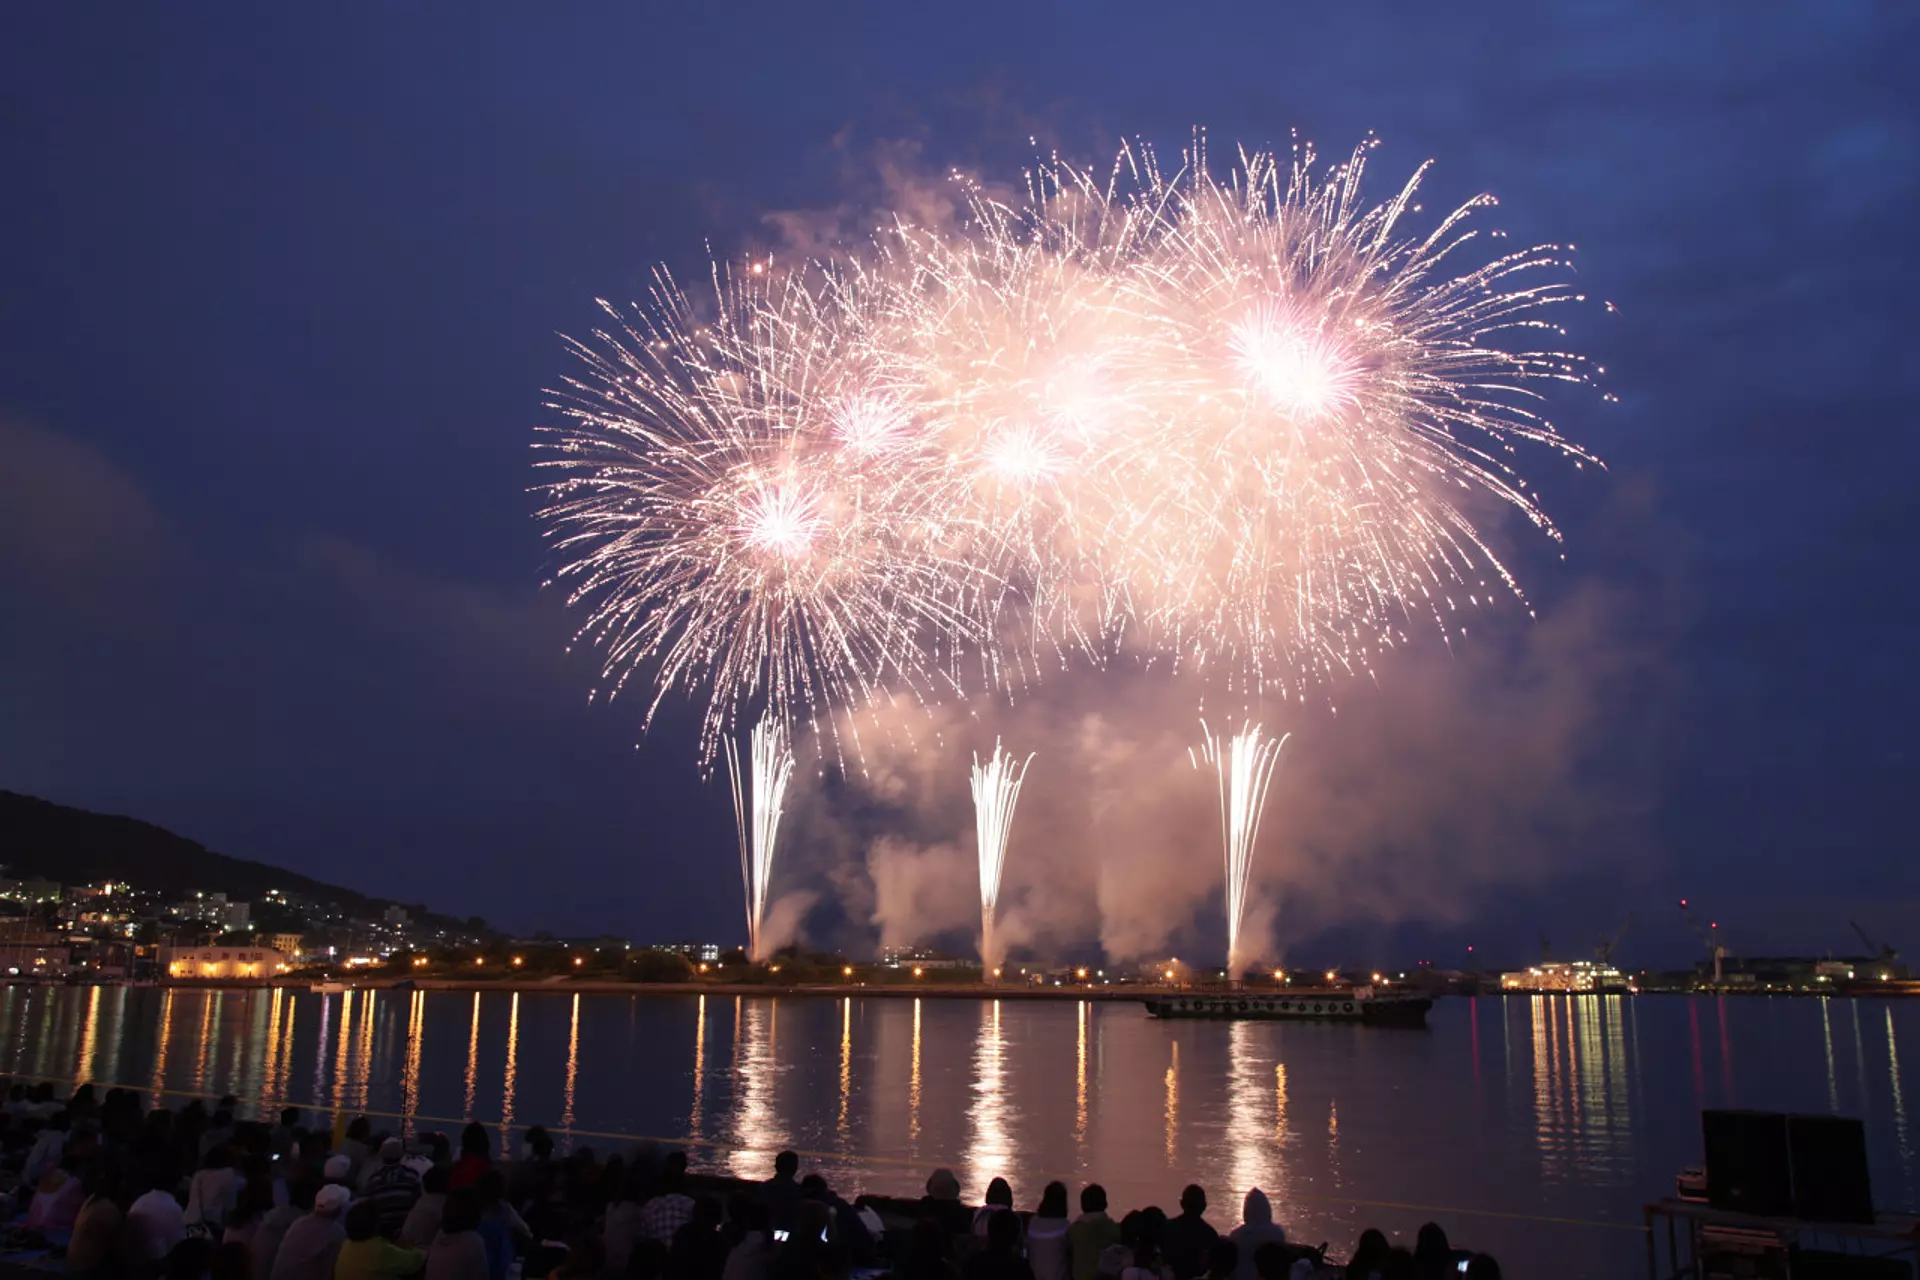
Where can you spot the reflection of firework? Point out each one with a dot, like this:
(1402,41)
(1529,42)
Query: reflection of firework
(1247,424)
(996,790)
(758,795)
(1244,765)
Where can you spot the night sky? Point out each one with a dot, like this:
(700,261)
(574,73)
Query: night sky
(281,286)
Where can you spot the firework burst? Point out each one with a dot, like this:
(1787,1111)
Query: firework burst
(1246,424)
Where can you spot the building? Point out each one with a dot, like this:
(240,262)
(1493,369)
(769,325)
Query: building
(395,916)
(221,962)
(708,952)
(918,958)
(28,959)
(287,944)
(1565,976)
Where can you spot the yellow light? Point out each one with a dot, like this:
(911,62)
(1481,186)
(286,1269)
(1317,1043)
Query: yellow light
(1329,975)
(847,971)
(578,961)
(1277,975)
(516,961)
(479,959)
(419,961)
(773,968)
(703,968)
(1376,977)
(916,971)
(1080,973)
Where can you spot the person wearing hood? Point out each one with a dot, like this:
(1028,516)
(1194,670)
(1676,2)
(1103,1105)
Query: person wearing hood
(1047,1236)
(1256,1228)
(312,1245)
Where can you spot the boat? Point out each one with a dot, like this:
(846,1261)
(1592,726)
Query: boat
(331,988)
(1322,1004)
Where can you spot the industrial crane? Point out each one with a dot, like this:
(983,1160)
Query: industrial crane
(1604,952)
(1709,934)
(1883,953)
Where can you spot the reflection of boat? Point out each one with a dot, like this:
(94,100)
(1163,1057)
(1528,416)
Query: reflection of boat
(331,988)
(1338,1004)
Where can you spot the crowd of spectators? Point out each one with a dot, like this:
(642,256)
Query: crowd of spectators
(114,1189)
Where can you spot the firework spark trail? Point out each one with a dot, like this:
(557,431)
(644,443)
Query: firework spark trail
(996,790)
(1244,766)
(758,797)
(1245,424)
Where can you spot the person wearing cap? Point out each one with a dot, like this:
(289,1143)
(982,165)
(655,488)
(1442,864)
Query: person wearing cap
(312,1245)
(338,1169)
(392,1187)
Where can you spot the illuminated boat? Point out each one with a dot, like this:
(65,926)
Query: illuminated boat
(1321,1004)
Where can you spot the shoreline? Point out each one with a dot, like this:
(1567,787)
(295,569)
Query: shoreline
(1131,992)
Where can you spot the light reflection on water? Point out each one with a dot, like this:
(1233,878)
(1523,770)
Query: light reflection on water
(1582,1108)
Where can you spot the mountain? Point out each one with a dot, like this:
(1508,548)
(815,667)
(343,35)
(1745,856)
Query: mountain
(43,840)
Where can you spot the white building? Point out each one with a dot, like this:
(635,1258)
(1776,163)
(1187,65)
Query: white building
(222,962)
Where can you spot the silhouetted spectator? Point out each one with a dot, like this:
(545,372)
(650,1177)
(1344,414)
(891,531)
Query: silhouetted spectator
(392,1188)
(699,1251)
(422,1223)
(476,1157)
(1092,1233)
(1186,1239)
(1001,1259)
(1047,1248)
(457,1251)
(1256,1228)
(308,1250)
(998,1200)
(1369,1255)
(782,1191)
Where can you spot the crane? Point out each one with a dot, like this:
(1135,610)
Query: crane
(1709,934)
(1604,952)
(1883,953)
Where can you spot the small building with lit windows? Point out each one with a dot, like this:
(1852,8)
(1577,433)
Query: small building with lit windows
(222,962)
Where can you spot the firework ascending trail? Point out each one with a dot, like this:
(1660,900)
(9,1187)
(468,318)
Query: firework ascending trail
(996,790)
(1244,764)
(757,799)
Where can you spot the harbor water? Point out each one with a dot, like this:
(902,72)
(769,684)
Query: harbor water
(1530,1127)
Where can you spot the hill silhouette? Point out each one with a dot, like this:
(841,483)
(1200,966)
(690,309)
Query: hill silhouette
(43,840)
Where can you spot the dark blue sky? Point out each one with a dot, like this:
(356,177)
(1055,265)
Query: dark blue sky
(280,288)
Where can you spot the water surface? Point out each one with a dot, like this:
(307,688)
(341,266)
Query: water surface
(1533,1127)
